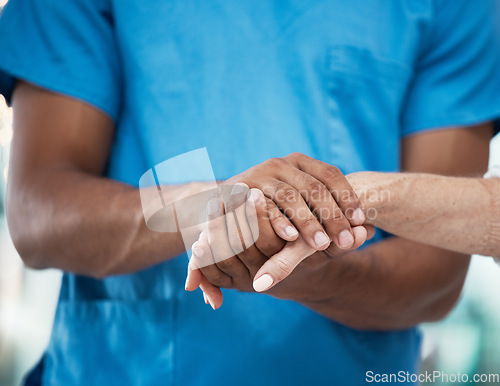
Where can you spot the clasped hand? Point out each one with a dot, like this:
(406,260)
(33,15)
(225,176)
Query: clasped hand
(284,211)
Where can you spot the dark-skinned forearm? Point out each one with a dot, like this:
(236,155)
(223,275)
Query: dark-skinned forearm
(85,224)
(393,284)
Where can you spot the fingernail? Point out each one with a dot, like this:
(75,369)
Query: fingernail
(345,239)
(291,231)
(186,284)
(358,216)
(213,206)
(198,251)
(205,298)
(321,239)
(211,304)
(254,195)
(263,283)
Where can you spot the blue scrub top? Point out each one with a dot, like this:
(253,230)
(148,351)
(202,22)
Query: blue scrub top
(341,81)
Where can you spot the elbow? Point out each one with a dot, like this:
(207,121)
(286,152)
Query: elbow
(434,309)
(33,262)
(35,252)
(441,309)
(22,230)
(30,256)
(27,238)
(102,272)
(370,322)
(442,305)
(39,249)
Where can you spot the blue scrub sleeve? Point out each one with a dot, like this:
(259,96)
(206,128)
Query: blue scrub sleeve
(64,46)
(457,75)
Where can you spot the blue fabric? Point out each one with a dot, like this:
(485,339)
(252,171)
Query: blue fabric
(342,81)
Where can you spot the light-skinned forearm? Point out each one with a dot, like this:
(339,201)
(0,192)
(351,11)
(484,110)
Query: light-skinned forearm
(459,214)
(402,282)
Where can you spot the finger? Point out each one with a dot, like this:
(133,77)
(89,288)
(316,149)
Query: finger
(336,183)
(281,225)
(203,259)
(216,231)
(279,266)
(194,276)
(323,206)
(212,293)
(238,231)
(263,238)
(296,209)
(360,236)
(248,261)
(263,235)
(370,230)
(225,236)
(200,256)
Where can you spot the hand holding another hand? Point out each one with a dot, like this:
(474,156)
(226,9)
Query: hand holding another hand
(272,248)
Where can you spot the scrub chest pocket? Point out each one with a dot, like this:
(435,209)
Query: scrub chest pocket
(364,99)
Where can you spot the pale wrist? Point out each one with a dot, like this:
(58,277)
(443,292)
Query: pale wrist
(493,236)
(373,190)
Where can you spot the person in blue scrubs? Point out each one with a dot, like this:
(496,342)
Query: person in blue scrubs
(103,90)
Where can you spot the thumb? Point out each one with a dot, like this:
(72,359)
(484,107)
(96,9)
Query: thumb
(281,264)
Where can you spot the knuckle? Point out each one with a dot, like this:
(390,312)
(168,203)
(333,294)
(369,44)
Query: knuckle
(275,217)
(264,244)
(201,262)
(332,173)
(349,196)
(317,190)
(284,193)
(228,264)
(295,155)
(310,222)
(284,268)
(275,162)
(235,241)
(279,186)
(221,280)
(337,216)
(337,224)
(268,246)
(216,229)
(272,210)
(289,195)
(349,213)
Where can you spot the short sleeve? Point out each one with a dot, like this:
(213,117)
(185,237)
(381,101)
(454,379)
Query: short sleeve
(64,46)
(457,76)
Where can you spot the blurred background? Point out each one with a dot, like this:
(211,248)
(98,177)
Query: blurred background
(27,298)
(467,341)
